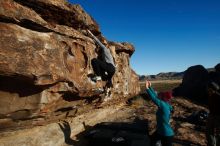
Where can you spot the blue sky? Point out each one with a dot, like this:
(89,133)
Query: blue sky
(168,35)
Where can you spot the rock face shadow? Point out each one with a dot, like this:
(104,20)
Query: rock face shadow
(119,134)
(65,127)
(110,134)
(21,85)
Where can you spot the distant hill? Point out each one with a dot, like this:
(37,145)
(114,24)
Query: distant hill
(166,76)
(162,76)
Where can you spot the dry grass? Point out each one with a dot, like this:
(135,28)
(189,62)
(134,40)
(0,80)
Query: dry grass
(162,85)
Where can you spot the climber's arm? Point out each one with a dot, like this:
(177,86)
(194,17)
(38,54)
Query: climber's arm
(97,40)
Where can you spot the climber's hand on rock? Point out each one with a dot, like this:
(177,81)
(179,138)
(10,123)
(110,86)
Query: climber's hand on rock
(89,32)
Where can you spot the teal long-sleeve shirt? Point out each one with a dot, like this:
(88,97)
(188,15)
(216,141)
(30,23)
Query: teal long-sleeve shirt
(162,115)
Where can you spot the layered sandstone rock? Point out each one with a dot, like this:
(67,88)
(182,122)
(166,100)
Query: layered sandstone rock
(45,63)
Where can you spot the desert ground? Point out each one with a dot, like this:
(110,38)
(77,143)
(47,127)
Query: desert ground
(188,130)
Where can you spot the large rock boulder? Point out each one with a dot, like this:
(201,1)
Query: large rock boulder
(194,84)
(45,63)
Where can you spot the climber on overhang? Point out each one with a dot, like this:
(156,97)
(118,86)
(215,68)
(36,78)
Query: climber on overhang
(104,68)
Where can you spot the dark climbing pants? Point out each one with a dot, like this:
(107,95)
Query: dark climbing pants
(165,140)
(101,68)
(213,131)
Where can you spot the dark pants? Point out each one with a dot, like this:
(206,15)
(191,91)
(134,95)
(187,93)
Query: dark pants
(165,140)
(100,67)
(213,131)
